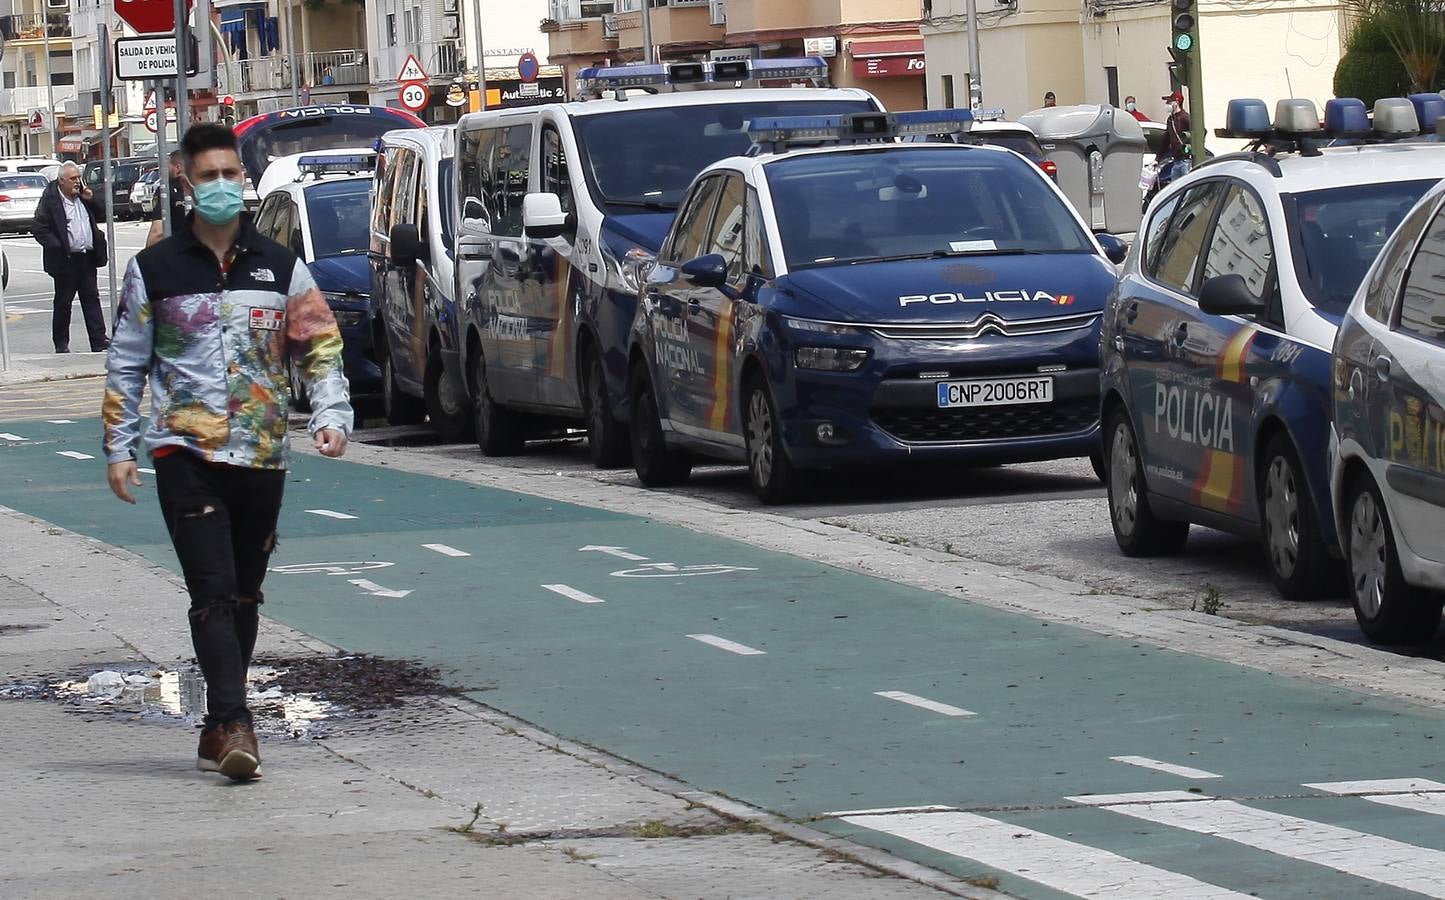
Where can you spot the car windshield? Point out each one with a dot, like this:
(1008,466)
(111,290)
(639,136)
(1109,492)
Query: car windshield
(339,213)
(23,182)
(837,208)
(648,157)
(1340,231)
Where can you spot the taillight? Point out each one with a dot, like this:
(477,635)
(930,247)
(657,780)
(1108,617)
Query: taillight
(4,198)
(1049,167)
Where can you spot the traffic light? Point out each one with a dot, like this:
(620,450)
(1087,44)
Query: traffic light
(1184,40)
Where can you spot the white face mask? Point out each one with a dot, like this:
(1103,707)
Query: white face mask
(1173,107)
(1130,106)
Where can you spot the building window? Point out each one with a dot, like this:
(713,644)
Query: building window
(1111,75)
(948,92)
(391,29)
(9,80)
(62,78)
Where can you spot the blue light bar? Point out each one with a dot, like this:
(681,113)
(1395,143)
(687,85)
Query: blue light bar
(604,77)
(933,121)
(1429,109)
(351,163)
(817,129)
(1346,117)
(1246,119)
(777,69)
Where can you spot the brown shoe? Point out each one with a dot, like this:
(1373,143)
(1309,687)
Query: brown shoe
(240,758)
(212,746)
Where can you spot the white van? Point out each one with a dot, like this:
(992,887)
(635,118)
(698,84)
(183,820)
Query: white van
(10,165)
(562,207)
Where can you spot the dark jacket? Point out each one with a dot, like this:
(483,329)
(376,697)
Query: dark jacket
(49,231)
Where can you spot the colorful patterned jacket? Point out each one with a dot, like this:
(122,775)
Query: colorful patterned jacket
(215,345)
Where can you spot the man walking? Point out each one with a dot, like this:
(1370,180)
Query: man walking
(73,250)
(212,314)
(178,203)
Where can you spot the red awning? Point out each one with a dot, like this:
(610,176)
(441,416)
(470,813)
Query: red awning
(878,49)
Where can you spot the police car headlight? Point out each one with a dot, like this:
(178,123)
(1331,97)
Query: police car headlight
(345,318)
(817,327)
(628,273)
(830,359)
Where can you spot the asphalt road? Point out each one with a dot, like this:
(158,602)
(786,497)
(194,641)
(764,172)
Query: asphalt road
(30,295)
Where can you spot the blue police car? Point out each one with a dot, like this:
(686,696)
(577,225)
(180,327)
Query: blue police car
(1216,343)
(839,299)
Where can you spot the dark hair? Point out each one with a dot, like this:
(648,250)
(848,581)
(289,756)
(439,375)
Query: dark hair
(206,136)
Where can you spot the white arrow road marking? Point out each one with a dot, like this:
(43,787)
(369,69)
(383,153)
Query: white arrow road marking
(1415,794)
(619,552)
(1042,858)
(74,454)
(444,550)
(924,703)
(730,646)
(61,421)
(7,436)
(1145,762)
(1345,850)
(572,593)
(377,590)
(330,514)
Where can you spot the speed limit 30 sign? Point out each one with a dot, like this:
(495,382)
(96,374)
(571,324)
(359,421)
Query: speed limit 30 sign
(415,95)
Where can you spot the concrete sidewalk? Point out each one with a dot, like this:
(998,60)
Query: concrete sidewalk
(433,798)
(28,368)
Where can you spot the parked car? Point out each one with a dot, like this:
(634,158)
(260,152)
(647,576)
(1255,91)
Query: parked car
(124,173)
(1013,136)
(1215,348)
(143,193)
(11,165)
(19,195)
(1387,472)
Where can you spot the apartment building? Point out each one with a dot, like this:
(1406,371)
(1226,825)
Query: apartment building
(443,36)
(873,44)
(280,53)
(1105,50)
(36,73)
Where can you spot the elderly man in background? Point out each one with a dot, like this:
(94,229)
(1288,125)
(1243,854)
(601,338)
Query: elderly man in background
(67,227)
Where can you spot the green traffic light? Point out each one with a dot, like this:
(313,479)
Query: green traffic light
(1184,42)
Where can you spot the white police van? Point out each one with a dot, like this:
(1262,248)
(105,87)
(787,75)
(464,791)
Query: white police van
(413,289)
(562,207)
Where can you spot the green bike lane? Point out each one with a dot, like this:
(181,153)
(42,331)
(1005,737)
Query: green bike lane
(810,691)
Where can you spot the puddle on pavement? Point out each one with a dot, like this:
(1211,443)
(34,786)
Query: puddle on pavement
(292,697)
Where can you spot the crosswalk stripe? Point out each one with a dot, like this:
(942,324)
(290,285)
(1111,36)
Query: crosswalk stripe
(1145,762)
(1042,858)
(1343,849)
(1415,794)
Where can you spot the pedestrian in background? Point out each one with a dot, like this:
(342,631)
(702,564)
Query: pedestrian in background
(178,202)
(67,227)
(212,314)
(1049,99)
(1132,107)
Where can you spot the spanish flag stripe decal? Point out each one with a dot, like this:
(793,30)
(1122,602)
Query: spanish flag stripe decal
(557,349)
(722,368)
(1221,477)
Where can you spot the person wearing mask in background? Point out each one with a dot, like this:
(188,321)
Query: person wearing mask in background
(1132,107)
(1049,100)
(178,203)
(73,250)
(1172,160)
(212,315)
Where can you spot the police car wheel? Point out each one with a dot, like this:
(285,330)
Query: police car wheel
(298,388)
(656,464)
(1297,558)
(1137,530)
(497,429)
(447,406)
(399,407)
(607,438)
(774,479)
(1389,610)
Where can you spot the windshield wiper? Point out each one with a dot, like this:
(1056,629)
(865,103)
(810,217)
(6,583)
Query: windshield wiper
(946,254)
(347,252)
(654,205)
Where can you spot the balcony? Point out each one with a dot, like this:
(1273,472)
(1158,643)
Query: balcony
(33,28)
(20,101)
(753,16)
(323,68)
(680,22)
(564,11)
(580,38)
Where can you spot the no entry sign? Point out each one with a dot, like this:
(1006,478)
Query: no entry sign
(149,16)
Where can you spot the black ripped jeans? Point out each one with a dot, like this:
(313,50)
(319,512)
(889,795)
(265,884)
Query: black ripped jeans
(222,521)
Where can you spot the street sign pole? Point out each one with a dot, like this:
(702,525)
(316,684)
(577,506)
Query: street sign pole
(4,332)
(649,52)
(50,86)
(183,65)
(975,71)
(102,37)
(165,169)
(291,55)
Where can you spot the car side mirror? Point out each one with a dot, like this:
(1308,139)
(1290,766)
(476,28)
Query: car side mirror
(542,216)
(1229,295)
(710,271)
(1114,247)
(406,245)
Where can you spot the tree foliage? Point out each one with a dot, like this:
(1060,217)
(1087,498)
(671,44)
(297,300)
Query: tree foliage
(1414,31)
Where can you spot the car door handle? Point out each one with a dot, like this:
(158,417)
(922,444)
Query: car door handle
(1131,311)
(1382,367)
(1181,334)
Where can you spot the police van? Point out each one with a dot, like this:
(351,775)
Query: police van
(1216,343)
(415,321)
(562,208)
